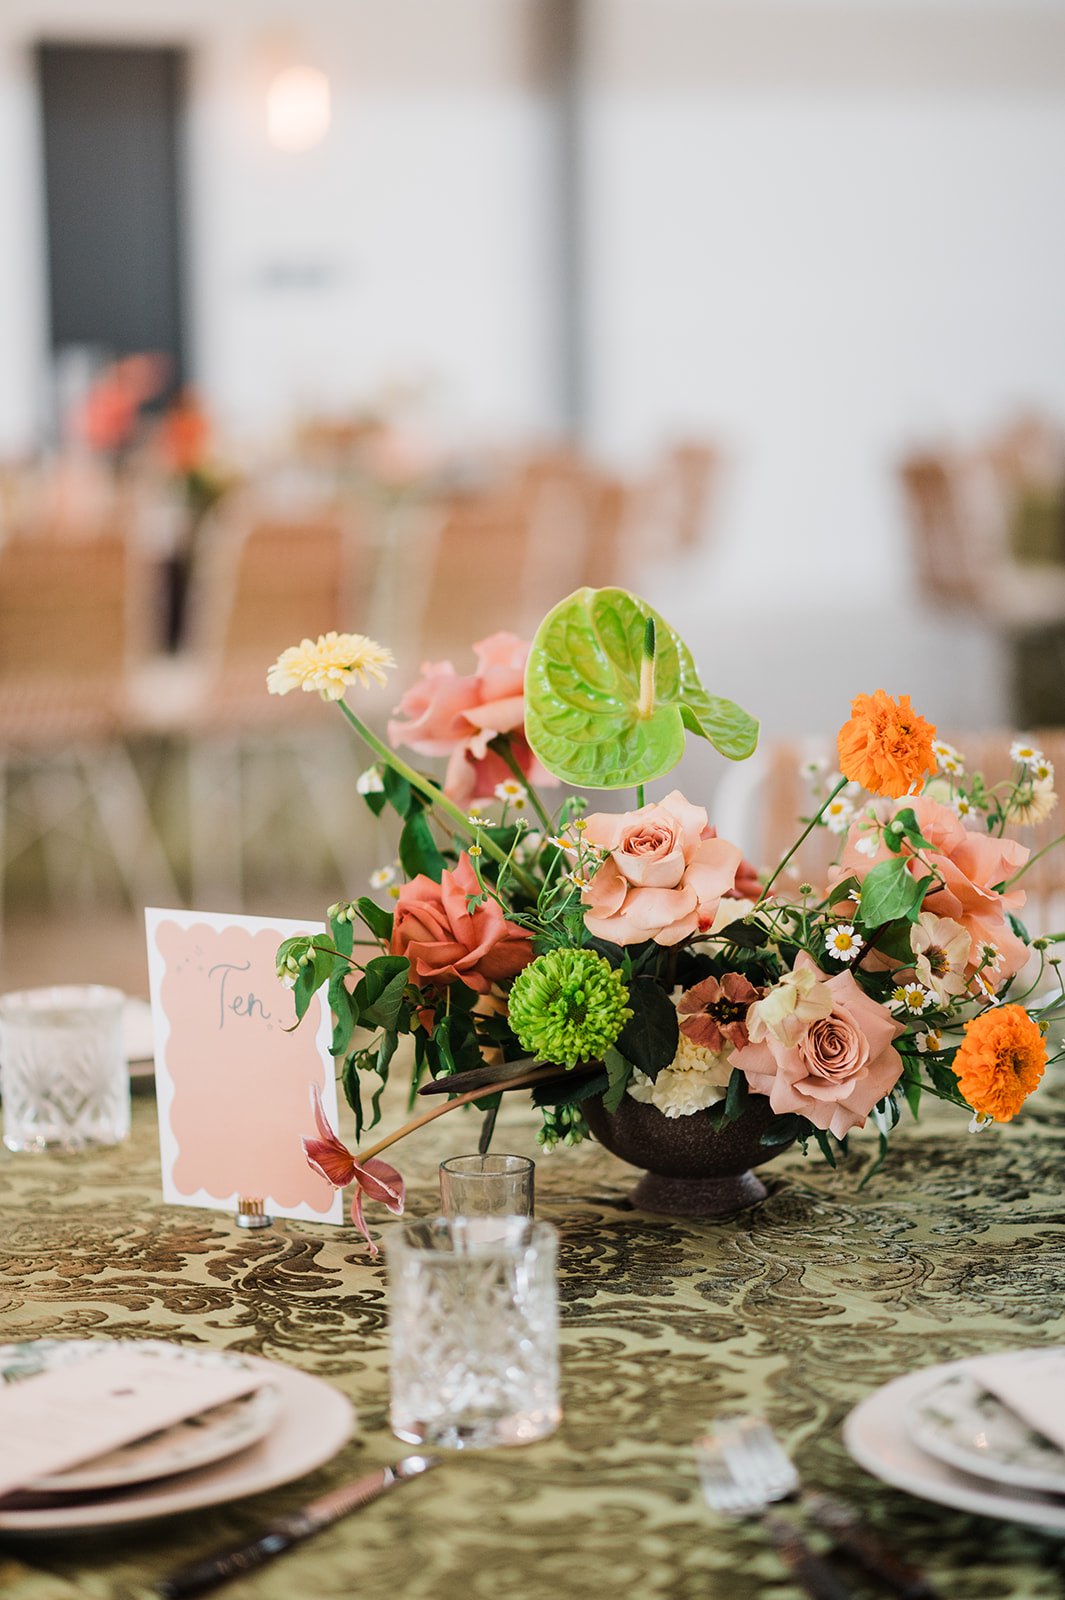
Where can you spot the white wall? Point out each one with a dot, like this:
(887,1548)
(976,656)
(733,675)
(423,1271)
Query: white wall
(823,232)
(415,241)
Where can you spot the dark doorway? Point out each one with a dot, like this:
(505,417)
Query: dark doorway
(112,139)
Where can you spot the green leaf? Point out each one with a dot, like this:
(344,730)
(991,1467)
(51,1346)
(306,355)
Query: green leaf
(345,1014)
(583,714)
(376,800)
(878,1160)
(397,790)
(904,825)
(418,850)
(561,1092)
(343,935)
(619,1071)
(783,1129)
(376,918)
(745,935)
(911,1088)
(1018,927)
(349,1080)
(735,1096)
(379,992)
(458,1048)
(825,1145)
(650,1037)
(891,892)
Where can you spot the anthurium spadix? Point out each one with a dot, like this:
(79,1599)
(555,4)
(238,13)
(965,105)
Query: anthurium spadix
(611,689)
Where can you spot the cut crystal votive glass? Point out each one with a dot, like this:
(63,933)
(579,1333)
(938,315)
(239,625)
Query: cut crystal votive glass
(474,1331)
(64,1077)
(487,1186)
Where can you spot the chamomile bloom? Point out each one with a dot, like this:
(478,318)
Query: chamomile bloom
(988,955)
(838,814)
(1042,771)
(868,843)
(578,879)
(948,759)
(930,1043)
(1032,803)
(842,942)
(478,809)
(370,781)
(1025,753)
(911,997)
(382,877)
(964,808)
(511,791)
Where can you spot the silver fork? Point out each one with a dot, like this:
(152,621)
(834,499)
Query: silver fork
(747,1449)
(742,1478)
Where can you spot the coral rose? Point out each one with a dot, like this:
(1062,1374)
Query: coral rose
(840,1066)
(458,717)
(665,876)
(446,943)
(970,864)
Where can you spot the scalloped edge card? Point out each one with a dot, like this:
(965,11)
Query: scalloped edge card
(233,1087)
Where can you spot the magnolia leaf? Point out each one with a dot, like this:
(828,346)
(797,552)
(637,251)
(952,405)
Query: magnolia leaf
(619,1071)
(586,716)
(891,892)
(650,1037)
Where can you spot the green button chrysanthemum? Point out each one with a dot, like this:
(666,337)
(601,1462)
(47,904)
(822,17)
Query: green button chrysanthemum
(568,1006)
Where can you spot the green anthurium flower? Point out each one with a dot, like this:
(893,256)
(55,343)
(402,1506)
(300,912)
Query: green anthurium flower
(610,689)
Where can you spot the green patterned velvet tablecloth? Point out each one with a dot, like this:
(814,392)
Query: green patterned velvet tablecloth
(800,1308)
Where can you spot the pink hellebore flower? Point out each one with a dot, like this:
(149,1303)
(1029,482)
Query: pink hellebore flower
(338,1166)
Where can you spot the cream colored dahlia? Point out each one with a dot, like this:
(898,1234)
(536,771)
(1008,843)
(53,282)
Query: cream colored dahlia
(329,664)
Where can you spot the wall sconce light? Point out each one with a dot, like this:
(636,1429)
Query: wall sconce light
(298,108)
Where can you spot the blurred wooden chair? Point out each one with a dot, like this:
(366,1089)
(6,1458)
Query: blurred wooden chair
(262,582)
(466,574)
(72,631)
(683,492)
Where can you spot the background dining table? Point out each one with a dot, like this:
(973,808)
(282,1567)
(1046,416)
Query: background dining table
(798,1308)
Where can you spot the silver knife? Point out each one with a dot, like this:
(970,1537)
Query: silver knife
(237,1559)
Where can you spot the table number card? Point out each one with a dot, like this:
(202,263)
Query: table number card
(233,1087)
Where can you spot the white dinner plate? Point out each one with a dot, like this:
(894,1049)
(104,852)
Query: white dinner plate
(958,1421)
(314,1420)
(876,1436)
(193,1442)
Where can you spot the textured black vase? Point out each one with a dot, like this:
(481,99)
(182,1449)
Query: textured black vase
(691,1169)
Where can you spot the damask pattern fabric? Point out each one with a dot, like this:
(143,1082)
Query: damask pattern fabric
(798,1308)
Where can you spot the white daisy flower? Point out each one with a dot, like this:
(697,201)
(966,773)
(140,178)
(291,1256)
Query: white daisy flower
(511,791)
(838,814)
(1043,771)
(869,843)
(370,781)
(988,955)
(911,997)
(382,877)
(930,1042)
(842,941)
(948,759)
(394,891)
(519,802)
(1025,753)
(963,808)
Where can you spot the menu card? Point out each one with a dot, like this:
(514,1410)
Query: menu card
(233,1085)
(83,1409)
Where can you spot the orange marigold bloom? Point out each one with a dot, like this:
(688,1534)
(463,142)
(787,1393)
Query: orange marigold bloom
(1000,1061)
(886,746)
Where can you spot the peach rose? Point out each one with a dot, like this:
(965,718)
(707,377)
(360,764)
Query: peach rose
(665,876)
(970,864)
(840,1066)
(458,717)
(446,943)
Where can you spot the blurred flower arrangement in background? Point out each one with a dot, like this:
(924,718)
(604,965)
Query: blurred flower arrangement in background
(604,954)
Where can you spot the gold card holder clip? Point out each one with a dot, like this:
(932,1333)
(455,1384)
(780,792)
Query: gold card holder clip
(252,1214)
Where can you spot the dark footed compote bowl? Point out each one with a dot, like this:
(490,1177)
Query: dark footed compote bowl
(691,1168)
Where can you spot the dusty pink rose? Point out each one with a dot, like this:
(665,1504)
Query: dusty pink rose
(714,1013)
(458,717)
(445,943)
(840,1066)
(665,876)
(970,864)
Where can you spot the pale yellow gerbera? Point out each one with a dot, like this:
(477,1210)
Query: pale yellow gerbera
(328,664)
(1032,803)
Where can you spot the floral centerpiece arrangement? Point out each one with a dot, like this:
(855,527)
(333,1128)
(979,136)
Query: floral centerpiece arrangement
(613,961)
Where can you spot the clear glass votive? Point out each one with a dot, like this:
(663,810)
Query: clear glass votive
(487,1186)
(474,1331)
(64,1077)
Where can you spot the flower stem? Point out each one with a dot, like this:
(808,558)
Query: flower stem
(1030,863)
(434,795)
(810,826)
(503,747)
(449,1105)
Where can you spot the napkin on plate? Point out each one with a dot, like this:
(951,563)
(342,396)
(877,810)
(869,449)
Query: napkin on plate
(1031,1383)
